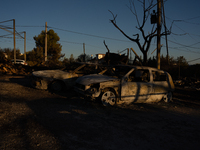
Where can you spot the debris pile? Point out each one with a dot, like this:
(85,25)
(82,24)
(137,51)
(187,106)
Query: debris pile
(188,83)
(9,68)
(113,58)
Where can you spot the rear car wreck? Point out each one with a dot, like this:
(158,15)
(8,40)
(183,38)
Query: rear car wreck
(130,84)
(55,80)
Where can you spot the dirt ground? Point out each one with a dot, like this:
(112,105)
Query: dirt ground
(37,119)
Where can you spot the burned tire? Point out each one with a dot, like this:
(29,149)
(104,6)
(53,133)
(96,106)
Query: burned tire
(167,97)
(108,97)
(57,86)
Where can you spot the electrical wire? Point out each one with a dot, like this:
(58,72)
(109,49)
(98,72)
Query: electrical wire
(193,60)
(6,21)
(189,51)
(6,27)
(81,44)
(177,48)
(88,34)
(189,46)
(72,42)
(185,33)
(193,18)
(2,36)
(30,26)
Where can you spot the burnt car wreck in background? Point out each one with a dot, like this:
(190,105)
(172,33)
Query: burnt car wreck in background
(57,80)
(127,84)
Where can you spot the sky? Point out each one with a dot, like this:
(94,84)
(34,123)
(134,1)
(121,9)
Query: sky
(88,21)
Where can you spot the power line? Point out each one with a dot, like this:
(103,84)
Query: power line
(193,18)
(184,50)
(6,27)
(81,44)
(191,22)
(72,42)
(88,34)
(95,46)
(76,33)
(183,20)
(184,45)
(30,26)
(193,60)
(177,48)
(185,33)
(5,36)
(6,21)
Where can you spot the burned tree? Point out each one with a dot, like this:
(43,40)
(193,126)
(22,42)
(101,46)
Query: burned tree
(147,38)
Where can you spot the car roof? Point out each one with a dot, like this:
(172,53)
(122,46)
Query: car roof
(139,67)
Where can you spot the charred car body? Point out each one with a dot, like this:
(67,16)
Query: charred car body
(55,80)
(128,84)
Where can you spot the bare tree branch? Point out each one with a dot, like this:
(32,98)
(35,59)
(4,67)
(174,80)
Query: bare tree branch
(134,40)
(134,12)
(106,46)
(114,17)
(113,21)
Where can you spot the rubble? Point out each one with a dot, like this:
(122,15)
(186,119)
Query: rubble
(9,68)
(187,82)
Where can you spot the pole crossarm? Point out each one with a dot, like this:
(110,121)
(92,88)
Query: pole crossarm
(6,35)
(11,33)
(6,30)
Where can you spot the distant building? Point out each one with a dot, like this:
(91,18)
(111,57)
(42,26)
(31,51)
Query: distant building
(5,55)
(100,56)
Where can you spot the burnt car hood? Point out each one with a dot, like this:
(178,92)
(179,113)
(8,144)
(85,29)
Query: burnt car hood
(94,78)
(56,74)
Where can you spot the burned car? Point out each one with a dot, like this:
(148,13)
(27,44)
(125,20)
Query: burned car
(55,80)
(128,84)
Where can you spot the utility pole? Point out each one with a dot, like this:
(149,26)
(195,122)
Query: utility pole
(45,58)
(84,52)
(25,45)
(14,41)
(165,31)
(158,32)
(179,69)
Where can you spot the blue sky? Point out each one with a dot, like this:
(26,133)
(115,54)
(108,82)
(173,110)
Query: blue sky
(91,17)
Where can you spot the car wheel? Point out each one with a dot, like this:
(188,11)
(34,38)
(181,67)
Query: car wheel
(56,86)
(108,97)
(167,97)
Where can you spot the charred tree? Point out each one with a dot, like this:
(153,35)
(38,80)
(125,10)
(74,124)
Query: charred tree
(146,38)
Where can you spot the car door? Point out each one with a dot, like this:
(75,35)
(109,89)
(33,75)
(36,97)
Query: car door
(136,86)
(161,84)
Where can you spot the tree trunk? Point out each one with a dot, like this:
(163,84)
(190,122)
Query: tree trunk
(144,58)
